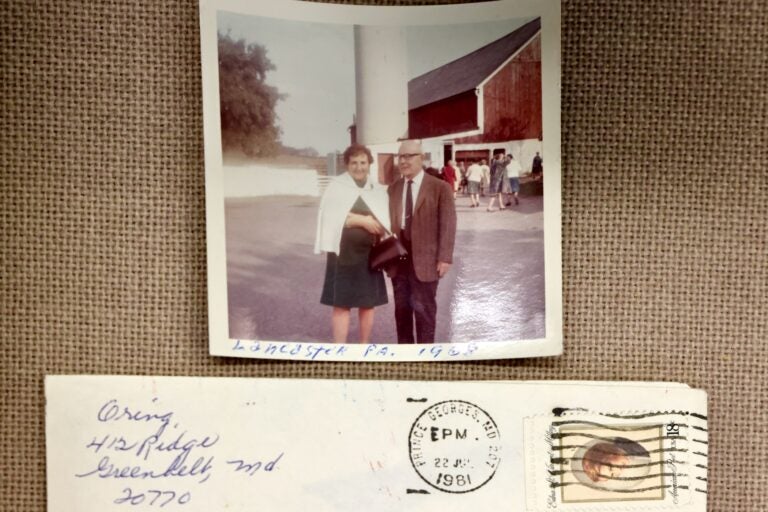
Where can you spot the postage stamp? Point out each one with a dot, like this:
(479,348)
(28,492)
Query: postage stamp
(611,463)
(454,446)
(584,460)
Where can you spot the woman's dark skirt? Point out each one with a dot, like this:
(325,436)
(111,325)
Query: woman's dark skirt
(349,283)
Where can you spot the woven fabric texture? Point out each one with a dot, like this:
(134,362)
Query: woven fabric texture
(665,215)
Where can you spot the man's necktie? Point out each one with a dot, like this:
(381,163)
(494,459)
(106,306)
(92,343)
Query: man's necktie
(408,210)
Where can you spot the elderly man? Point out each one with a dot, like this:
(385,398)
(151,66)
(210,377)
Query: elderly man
(423,217)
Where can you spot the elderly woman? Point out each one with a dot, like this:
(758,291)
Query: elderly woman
(354,211)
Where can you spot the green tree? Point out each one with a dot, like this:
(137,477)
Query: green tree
(248,118)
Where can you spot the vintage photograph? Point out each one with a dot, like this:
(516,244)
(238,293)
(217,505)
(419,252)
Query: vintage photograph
(381,183)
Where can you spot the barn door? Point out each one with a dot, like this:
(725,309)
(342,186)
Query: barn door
(447,153)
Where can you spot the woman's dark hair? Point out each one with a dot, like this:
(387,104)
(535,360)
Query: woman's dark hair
(357,149)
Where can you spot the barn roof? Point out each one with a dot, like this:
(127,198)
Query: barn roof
(467,72)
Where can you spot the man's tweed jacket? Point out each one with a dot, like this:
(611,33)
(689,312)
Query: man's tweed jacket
(433,228)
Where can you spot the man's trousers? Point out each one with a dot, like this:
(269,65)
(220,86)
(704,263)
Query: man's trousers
(414,300)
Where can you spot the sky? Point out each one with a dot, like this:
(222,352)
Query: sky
(316,68)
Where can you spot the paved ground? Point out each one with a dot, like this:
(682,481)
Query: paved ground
(495,290)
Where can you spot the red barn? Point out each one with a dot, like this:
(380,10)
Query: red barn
(492,95)
(486,102)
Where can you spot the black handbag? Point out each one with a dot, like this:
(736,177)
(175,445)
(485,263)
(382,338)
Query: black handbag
(386,252)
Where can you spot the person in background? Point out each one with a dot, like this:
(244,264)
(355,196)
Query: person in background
(499,183)
(449,175)
(354,211)
(513,171)
(474,179)
(486,181)
(463,175)
(537,167)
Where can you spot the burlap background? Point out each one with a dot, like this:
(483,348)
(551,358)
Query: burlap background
(665,194)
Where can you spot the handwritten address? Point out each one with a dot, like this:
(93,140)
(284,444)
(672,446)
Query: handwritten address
(165,451)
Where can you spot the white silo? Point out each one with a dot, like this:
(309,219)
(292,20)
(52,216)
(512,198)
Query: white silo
(381,82)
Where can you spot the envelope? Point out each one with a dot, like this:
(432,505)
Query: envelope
(202,444)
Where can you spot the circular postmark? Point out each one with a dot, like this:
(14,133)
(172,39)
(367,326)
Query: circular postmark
(454,446)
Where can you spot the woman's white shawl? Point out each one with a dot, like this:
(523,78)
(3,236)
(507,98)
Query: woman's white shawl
(337,201)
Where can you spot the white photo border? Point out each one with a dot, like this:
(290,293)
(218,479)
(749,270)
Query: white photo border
(220,344)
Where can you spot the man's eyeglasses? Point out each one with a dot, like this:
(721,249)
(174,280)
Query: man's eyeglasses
(408,156)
